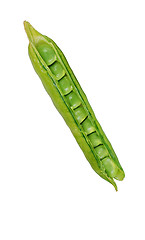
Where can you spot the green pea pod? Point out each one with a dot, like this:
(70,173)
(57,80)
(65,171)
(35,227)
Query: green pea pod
(68,97)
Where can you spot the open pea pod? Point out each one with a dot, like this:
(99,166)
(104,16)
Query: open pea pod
(68,97)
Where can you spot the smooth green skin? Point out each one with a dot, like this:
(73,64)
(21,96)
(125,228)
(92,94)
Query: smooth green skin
(68,97)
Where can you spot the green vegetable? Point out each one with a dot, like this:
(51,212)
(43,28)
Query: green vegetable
(68,97)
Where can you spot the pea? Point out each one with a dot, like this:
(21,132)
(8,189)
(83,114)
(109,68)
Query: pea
(101,151)
(95,139)
(80,114)
(47,53)
(57,70)
(65,85)
(110,167)
(88,127)
(73,100)
(68,97)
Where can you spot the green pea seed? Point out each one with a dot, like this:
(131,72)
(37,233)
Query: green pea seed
(95,139)
(73,99)
(65,85)
(101,151)
(57,70)
(88,127)
(80,114)
(47,53)
(110,167)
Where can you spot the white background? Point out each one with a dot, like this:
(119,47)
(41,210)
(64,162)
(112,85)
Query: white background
(48,190)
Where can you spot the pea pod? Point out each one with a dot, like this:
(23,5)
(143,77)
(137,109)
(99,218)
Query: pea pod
(68,97)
